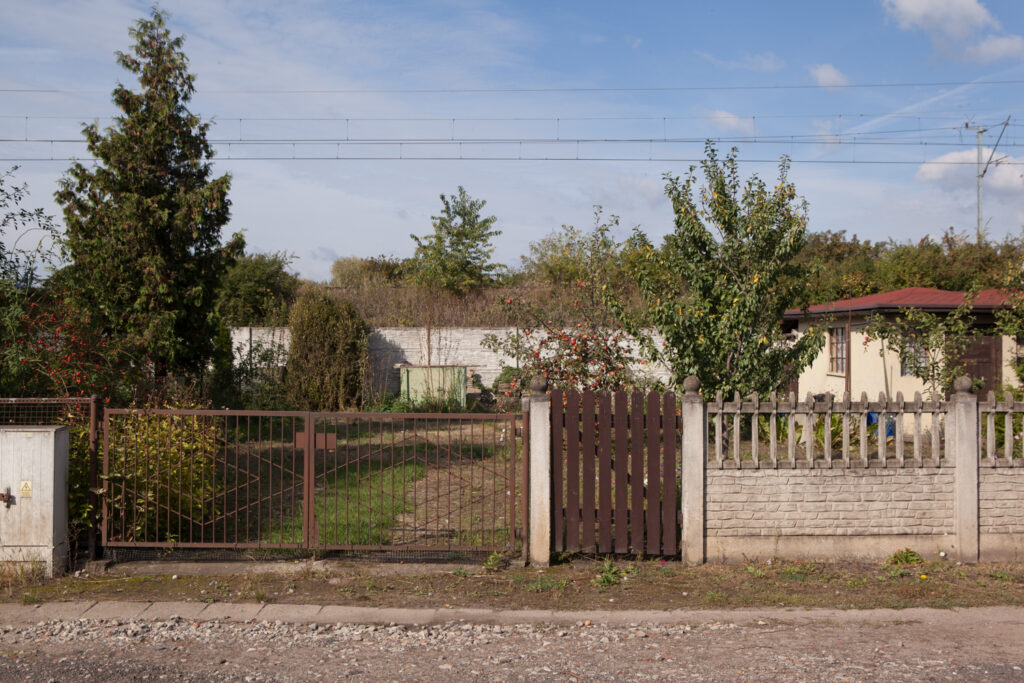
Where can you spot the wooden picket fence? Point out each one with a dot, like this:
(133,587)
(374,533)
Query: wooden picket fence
(615,472)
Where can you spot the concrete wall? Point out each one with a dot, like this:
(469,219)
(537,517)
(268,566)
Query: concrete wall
(838,513)
(417,346)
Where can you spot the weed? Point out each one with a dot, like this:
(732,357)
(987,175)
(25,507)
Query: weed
(496,561)
(856,583)
(756,572)
(897,572)
(798,572)
(259,595)
(546,583)
(462,572)
(904,557)
(610,575)
(1001,576)
(30,599)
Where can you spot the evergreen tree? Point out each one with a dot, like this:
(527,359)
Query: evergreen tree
(144,223)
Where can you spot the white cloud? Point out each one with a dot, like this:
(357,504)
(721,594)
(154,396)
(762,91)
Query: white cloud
(994,48)
(958,171)
(766,61)
(954,18)
(828,76)
(634,42)
(729,122)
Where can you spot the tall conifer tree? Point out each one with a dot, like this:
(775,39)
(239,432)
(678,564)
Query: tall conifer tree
(144,222)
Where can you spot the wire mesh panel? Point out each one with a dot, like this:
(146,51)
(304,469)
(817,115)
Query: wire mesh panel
(204,478)
(432,482)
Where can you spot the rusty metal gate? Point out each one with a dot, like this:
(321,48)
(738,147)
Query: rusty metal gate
(438,483)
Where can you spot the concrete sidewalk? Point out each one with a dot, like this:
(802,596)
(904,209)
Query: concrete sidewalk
(15,614)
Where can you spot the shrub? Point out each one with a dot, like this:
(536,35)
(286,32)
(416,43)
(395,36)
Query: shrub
(328,358)
(165,465)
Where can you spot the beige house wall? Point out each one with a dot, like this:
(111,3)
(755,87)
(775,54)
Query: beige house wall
(870,371)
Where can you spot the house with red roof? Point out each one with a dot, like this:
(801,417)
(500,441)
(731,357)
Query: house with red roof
(852,362)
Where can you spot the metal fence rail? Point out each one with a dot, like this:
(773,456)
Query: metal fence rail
(322,481)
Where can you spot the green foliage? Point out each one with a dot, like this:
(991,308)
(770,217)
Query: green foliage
(571,255)
(931,346)
(609,575)
(843,267)
(257,291)
(169,461)
(355,273)
(328,355)
(904,557)
(593,352)
(717,289)
(144,222)
(456,257)
(48,347)
(258,376)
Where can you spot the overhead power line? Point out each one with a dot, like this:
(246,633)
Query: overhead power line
(531,90)
(659,159)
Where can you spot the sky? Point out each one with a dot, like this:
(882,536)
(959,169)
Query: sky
(342,122)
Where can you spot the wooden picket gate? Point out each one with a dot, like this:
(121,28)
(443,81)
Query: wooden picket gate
(615,473)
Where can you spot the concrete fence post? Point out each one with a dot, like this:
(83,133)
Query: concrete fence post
(539,521)
(962,442)
(694,450)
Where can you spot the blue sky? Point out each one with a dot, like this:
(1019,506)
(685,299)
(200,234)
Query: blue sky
(560,106)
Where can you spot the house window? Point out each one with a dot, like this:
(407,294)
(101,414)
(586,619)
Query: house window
(837,350)
(914,359)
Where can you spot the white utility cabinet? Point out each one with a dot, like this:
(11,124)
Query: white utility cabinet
(34,497)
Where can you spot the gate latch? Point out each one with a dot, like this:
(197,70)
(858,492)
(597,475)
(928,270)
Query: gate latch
(6,498)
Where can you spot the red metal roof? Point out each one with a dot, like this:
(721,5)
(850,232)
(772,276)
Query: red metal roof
(925,298)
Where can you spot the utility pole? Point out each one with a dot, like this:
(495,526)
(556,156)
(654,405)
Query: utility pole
(982,170)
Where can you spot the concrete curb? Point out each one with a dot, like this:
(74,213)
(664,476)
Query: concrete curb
(15,615)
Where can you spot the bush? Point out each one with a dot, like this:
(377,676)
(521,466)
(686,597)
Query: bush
(328,358)
(162,474)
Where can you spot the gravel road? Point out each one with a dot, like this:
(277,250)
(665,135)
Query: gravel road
(950,646)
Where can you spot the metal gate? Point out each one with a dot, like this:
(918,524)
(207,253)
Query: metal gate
(441,483)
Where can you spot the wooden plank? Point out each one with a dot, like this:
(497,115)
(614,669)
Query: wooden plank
(604,472)
(588,481)
(653,489)
(636,478)
(572,472)
(621,473)
(669,519)
(557,465)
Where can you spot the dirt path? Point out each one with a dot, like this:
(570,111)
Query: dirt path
(931,645)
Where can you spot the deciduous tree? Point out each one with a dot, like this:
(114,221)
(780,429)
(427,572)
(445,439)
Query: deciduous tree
(717,288)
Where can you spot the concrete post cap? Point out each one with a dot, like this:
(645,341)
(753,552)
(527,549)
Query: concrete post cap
(538,384)
(963,384)
(691,385)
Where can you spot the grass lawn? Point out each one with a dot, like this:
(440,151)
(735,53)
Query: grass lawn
(354,505)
